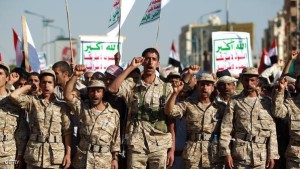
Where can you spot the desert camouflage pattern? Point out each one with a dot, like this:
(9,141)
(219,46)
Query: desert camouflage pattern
(289,108)
(22,133)
(243,122)
(50,122)
(156,160)
(140,134)
(99,128)
(9,116)
(204,119)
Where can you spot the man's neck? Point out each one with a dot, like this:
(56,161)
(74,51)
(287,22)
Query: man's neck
(3,91)
(101,106)
(225,97)
(149,79)
(251,94)
(204,100)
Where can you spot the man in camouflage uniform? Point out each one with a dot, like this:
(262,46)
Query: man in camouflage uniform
(9,116)
(203,123)
(148,139)
(248,133)
(99,126)
(288,107)
(49,124)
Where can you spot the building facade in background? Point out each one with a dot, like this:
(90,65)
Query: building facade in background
(195,42)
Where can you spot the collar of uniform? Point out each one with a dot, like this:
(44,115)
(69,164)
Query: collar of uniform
(155,82)
(243,96)
(109,108)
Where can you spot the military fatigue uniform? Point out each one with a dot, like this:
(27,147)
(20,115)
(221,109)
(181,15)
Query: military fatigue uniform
(289,108)
(147,135)
(9,116)
(248,132)
(48,123)
(203,130)
(99,135)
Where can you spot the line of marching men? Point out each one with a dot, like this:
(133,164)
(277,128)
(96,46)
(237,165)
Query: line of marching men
(55,120)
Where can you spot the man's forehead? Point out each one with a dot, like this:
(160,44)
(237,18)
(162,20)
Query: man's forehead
(151,55)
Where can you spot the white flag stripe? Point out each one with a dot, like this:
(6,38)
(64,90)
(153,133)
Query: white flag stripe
(126,6)
(32,53)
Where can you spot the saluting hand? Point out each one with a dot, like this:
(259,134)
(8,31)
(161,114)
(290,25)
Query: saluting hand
(137,61)
(282,84)
(14,77)
(177,86)
(79,70)
(193,69)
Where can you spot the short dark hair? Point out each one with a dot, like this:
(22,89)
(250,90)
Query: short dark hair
(150,50)
(5,70)
(47,74)
(64,67)
(34,74)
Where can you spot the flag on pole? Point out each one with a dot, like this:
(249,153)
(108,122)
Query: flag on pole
(34,61)
(153,11)
(174,58)
(18,49)
(262,64)
(273,54)
(120,8)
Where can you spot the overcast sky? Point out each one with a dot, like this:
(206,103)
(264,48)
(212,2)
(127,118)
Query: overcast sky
(90,17)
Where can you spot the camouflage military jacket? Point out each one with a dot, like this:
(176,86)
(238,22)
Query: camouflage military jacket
(155,139)
(9,116)
(49,122)
(251,129)
(205,120)
(289,108)
(97,128)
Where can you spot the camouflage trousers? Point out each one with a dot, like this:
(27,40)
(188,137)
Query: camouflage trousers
(292,164)
(243,166)
(35,167)
(139,160)
(195,165)
(7,162)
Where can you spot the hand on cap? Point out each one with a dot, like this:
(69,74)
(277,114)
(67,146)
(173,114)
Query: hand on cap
(193,69)
(79,70)
(137,61)
(177,86)
(13,77)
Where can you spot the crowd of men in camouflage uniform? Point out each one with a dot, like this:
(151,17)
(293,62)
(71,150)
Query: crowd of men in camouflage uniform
(53,119)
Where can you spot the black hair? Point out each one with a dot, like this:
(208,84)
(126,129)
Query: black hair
(5,70)
(34,74)
(150,50)
(64,67)
(98,76)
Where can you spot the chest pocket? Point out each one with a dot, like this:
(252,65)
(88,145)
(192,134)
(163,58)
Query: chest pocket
(266,123)
(107,129)
(56,123)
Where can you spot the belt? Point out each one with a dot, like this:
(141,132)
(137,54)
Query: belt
(251,138)
(199,137)
(6,137)
(44,139)
(94,147)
